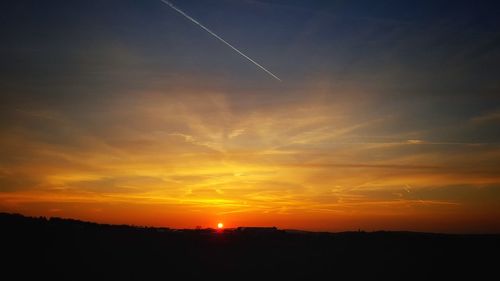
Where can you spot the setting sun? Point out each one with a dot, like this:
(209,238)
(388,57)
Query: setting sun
(168,133)
(170,139)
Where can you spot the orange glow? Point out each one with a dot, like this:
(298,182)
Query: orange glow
(220,225)
(296,166)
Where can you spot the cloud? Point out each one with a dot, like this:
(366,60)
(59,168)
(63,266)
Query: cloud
(370,106)
(17,182)
(492,117)
(122,184)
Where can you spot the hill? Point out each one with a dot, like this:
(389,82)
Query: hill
(64,249)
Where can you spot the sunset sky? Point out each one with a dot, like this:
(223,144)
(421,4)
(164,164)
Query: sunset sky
(124,111)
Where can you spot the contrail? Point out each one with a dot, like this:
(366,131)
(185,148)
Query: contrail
(218,37)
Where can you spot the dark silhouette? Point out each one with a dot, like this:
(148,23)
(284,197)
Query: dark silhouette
(65,249)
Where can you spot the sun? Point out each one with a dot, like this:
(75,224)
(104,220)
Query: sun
(220,225)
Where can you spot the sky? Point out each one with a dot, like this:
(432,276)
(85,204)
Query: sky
(124,111)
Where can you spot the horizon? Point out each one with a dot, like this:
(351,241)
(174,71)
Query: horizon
(310,115)
(221,230)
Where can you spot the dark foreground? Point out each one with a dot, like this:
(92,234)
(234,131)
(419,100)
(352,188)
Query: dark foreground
(58,249)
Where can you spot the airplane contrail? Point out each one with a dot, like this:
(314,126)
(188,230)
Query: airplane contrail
(218,37)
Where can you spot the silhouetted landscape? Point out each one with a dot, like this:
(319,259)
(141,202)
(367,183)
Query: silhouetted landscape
(66,249)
